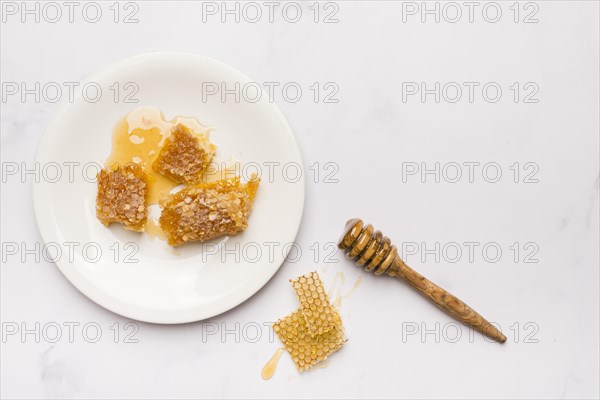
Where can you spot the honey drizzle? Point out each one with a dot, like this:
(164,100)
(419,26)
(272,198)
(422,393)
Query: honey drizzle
(269,369)
(339,296)
(356,285)
(342,279)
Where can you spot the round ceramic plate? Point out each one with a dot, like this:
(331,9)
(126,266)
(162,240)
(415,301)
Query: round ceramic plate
(131,273)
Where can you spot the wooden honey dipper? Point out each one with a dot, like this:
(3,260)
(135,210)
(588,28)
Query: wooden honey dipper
(375,252)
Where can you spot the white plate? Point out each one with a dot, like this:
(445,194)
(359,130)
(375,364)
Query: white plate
(195,281)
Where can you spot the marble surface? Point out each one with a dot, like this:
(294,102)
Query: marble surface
(521,248)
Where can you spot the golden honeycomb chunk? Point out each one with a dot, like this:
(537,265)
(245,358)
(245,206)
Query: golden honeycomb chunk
(314,303)
(122,196)
(185,156)
(307,350)
(208,210)
(298,332)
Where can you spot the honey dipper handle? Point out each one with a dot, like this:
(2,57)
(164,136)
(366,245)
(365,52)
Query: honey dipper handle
(445,300)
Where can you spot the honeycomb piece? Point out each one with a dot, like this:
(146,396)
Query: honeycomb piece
(310,338)
(185,156)
(307,350)
(208,210)
(314,303)
(122,196)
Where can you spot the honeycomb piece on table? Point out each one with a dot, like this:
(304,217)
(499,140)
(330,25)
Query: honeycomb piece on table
(185,156)
(314,303)
(122,196)
(307,350)
(208,210)
(311,338)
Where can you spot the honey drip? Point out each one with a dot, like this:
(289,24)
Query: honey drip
(269,369)
(339,276)
(153,230)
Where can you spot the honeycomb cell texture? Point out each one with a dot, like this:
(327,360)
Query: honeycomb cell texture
(208,210)
(122,196)
(185,156)
(314,331)
(314,303)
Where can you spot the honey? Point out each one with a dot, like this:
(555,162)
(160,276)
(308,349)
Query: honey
(269,369)
(339,276)
(153,230)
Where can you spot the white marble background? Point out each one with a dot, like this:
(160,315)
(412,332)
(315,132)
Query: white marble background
(548,309)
